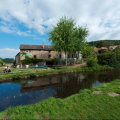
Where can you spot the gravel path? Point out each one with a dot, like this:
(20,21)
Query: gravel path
(78,65)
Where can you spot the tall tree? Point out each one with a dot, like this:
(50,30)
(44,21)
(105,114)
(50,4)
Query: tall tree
(62,34)
(80,35)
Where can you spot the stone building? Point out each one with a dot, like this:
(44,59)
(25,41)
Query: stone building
(40,52)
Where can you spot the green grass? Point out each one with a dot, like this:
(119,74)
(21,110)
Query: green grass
(83,105)
(34,72)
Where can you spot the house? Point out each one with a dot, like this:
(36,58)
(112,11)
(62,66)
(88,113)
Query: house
(113,47)
(40,52)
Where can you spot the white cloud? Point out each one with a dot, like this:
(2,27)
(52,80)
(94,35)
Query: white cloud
(8,52)
(96,14)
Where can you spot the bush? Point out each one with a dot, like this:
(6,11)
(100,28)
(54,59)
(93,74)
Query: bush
(111,59)
(1,62)
(92,63)
(29,60)
(32,75)
(16,76)
(14,62)
(56,59)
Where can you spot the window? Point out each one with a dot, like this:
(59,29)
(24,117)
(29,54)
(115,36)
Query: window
(29,51)
(49,51)
(49,56)
(34,56)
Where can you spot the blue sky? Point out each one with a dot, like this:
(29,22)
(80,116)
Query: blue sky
(28,21)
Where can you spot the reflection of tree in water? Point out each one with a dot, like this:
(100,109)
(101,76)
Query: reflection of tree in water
(109,76)
(73,84)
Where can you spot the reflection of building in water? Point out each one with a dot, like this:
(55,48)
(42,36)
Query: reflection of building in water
(80,78)
(44,90)
(51,82)
(40,83)
(44,82)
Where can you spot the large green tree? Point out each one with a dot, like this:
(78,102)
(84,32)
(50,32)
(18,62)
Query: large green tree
(66,37)
(61,36)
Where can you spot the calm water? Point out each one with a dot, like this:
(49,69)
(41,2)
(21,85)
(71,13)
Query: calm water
(31,91)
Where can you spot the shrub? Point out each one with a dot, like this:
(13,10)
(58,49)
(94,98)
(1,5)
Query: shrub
(1,62)
(14,62)
(111,59)
(32,75)
(56,59)
(92,63)
(16,76)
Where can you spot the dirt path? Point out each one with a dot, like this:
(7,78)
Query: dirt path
(78,65)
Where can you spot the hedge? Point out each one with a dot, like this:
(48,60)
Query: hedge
(35,60)
(111,59)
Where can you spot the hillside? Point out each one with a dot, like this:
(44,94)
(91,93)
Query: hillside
(104,43)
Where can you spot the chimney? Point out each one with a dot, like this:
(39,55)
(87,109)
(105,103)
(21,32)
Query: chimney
(43,45)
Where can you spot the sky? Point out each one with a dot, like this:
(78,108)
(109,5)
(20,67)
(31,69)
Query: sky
(29,21)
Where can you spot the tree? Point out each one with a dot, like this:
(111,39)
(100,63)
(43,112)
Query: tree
(80,34)
(1,62)
(87,51)
(105,43)
(117,50)
(62,34)
(66,37)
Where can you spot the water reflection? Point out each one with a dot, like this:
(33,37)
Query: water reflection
(24,92)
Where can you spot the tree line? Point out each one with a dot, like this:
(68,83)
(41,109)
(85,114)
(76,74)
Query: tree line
(104,43)
(7,60)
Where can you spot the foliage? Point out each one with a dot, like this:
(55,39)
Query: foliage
(1,62)
(117,50)
(112,59)
(32,75)
(16,76)
(104,43)
(23,53)
(14,62)
(33,60)
(55,59)
(79,34)
(87,51)
(91,63)
(66,37)
(8,60)
(29,60)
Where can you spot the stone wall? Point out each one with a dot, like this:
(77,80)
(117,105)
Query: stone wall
(18,59)
(41,54)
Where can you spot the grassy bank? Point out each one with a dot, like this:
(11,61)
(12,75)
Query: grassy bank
(47,72)
(83,105)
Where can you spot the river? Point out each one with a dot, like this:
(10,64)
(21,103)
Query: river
(24,92)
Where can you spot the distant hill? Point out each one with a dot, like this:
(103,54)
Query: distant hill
(8,60)
(104,43)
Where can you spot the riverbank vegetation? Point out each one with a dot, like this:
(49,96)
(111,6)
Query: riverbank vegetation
(44,72)
(110,58)
(98,103)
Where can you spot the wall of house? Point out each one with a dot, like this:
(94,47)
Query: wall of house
(41,54)
(18,59)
